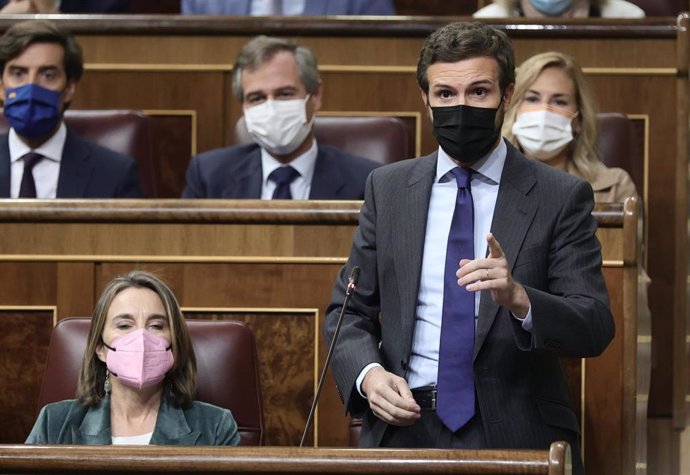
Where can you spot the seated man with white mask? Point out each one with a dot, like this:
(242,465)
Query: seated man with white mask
(41,157)
(278,84)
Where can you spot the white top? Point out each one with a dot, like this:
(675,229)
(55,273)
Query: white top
(142,439)
(304,164)
(46,172)
(608,8)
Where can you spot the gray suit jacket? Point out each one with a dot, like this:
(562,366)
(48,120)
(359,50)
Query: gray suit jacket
(543,222)
(69,422)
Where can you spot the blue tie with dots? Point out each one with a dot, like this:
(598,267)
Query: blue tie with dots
(283,177)
(455,400)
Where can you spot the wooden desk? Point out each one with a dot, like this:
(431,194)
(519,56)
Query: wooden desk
(278,460)
(272,265)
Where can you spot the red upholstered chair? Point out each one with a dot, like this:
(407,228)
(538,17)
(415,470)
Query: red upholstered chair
(227,368)
(382,139)
(619,147)
(124,131)
(661,7)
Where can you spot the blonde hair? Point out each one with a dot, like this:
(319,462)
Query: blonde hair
(182,376)
(582,152)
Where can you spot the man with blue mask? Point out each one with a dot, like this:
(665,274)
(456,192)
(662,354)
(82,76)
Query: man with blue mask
(560,8)
(40,157)
(278,85)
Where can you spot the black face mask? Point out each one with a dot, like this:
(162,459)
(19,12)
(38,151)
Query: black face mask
(466,133)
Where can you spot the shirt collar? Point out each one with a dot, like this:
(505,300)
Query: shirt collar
(50,149)
(304,163)
(489,168)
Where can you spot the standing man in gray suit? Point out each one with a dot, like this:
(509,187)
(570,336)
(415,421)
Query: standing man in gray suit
(479,269)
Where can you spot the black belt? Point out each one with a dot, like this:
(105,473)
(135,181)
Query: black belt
(425,397)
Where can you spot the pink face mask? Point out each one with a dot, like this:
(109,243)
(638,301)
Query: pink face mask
(139,359)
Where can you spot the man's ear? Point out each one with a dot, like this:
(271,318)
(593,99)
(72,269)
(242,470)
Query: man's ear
(427,106)
(508,95)
(70,90)
(316,98)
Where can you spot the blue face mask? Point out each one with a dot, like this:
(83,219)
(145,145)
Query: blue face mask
(551,7)
(33,111)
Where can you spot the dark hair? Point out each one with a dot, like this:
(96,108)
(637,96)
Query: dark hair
(262,49)
(459,41)
(21,35)
(182,376)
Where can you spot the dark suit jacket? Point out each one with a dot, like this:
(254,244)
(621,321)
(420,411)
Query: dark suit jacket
(543,222)
(87,170)
(311,7)
(235,172)
(68,422)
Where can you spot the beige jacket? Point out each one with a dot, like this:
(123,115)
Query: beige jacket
(612,185)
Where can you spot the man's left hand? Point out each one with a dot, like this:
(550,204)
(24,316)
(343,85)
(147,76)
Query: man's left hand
(493,274)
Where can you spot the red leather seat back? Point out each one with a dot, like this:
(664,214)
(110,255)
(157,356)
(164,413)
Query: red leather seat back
(227,368)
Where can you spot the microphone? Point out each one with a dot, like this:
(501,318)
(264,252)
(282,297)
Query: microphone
(351,287)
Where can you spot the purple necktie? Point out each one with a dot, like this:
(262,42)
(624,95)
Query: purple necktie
(282,177)
(28,187)
(455,400)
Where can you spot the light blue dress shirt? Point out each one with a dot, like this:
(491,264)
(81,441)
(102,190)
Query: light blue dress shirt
(423,364)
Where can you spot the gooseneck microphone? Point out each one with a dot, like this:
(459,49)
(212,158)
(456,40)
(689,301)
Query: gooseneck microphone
(351,286)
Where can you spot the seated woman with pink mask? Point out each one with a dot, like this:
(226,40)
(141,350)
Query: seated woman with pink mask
(138,377)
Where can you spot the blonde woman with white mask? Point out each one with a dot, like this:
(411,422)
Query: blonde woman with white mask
(553,119)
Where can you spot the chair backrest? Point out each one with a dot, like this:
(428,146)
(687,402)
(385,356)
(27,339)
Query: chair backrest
(618,147)
(661,7)
(227,368)
(383,139)
(123,131)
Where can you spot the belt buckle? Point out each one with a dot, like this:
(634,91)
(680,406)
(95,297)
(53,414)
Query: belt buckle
(433,399)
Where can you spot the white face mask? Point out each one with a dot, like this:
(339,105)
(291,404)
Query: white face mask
(543,133)
(279,126)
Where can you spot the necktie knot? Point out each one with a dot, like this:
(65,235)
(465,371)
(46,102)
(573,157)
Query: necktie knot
(282,177)
(463,176)
(31,159)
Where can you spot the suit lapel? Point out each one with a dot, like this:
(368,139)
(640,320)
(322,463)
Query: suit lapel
(246,179)
(326,182)
(513,216)
(414,206)
(76,168)
(5,166)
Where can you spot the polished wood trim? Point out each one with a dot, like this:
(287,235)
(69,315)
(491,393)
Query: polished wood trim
(345,26)
(278,460)
(348,68)
(217,211)
(174,258)
(181,211)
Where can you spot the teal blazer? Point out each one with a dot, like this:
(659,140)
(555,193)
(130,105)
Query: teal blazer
(69,422)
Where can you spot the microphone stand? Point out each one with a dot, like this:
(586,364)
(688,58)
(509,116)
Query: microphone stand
(351,286)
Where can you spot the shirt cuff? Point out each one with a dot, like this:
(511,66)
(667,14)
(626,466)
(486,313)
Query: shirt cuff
(526,322)
(362,374)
